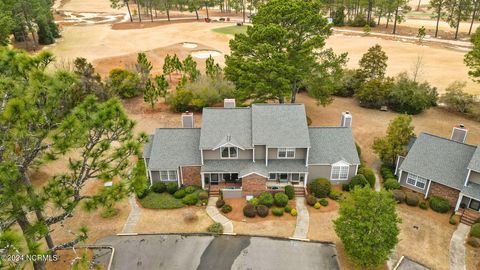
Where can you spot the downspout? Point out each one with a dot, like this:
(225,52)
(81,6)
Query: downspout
(468,176)
(400,176)
(266,155)
(180,176)
(306,158)
(428,189)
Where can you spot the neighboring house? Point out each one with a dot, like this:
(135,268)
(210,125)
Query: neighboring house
(449,168)
(251,149)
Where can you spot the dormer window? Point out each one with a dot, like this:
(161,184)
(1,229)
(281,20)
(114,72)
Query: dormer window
(229,152)
(286,153)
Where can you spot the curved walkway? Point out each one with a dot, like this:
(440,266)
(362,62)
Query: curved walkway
(133,217)
(457,247)
(214,214)
(303,219)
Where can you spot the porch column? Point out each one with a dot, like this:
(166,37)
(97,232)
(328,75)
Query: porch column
(203,180)
(459,201)
(305,180)
(428,189)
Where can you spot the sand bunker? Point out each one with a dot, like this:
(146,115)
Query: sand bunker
(205,54)
(189,45)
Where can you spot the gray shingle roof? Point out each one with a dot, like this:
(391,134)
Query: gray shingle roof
(173,147)
(246,166)
(147,148)
(472,190)
(475,162)
(332,144)
(439,159)
(219,123)
(280,125)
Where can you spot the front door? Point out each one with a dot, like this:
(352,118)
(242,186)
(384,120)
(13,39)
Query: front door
(214,179)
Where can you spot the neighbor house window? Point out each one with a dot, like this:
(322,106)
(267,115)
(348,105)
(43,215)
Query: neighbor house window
(229,152)
(170,175)
(340,172)
(286,153)
(416,181)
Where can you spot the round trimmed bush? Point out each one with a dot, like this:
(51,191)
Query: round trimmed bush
(316,205)
(190,199)
(262,211)
(203,195)
(158,187)
(335,195)
(475,230)
(249,210)
(319,187)
(439,204)
(369,175)
(454,220)
(179,194)
(276,211)
(398,195)
(266,199)
(281,199)
(391,183)
(423,205)
(220,203)
(226,208)
(358,180)
(288,209)
(323,202)
(172,187)
(215,228)
(311,200)
(254,201)
(294,212)
(190,189)
(290,191)
(411,199)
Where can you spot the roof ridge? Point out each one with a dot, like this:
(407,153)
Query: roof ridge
(447,139)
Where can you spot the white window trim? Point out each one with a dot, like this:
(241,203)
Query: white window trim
(229,154)
(340,168)
(270,174)
(168,175)
(286,150)
(417,179)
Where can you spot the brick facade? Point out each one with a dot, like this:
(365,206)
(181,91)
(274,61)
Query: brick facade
(448,193)
(191,176)
(254,184)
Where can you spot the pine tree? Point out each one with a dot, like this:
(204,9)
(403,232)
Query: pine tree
(373,64)
(189,67)
(162,85)
(143,68)
(151,93)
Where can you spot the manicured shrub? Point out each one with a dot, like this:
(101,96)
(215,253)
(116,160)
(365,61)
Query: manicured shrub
(475,230)
(139,182)
(190,189)
(277,211)
(220,203)
(190,199)
(386,172)
(346,187)
(454,220)
(391,183)
(203,195)
(172,187)
(254,201)
(317,205)
(358,180)
(323,202)
(474,242)
(215,228)
(226,208)
(335,195)
(266,199)
(439,204)
(319,187)
(290,191)
(398,195)
(423,205)
(288,209)
(369,175)
(262,211)
(249,210)
(179,194)
(477,220)
(411,199)
(311,200)
(294,212)
(158,187)
(281,199)
(143,194)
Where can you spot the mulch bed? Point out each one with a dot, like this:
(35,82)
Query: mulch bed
(237,213)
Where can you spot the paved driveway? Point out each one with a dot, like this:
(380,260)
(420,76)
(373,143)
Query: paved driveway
(204,252)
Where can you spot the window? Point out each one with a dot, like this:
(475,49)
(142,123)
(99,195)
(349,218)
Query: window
(286,153)
(295,176)
(168,175)
(272,176)
(340,172)
(474,204)
(416,181)
(229,152)
(283,177)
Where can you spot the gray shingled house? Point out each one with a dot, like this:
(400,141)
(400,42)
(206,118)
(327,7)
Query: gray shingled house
(444,167)
(251,149)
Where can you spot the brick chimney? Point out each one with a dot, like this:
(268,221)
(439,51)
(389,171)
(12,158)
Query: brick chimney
(188,121)
(459,133)
(346,120)
(229,103)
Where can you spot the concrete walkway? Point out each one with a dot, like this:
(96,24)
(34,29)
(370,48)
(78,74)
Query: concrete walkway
(303,219)
(133,217)
(457,247)
(214,214)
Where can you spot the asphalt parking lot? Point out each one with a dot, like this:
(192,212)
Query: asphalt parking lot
(206,252)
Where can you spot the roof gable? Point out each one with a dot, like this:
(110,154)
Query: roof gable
(475,161)
(331,145)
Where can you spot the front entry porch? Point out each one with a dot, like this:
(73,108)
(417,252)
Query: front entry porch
(469,210)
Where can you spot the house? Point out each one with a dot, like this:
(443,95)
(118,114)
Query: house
(251,149)
(449,168)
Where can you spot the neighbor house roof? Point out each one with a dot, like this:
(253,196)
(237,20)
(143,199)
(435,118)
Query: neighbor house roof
(226,125)
(280,125)
(173,147)
(147,148)
(439,159)
(475,162)
(332,144)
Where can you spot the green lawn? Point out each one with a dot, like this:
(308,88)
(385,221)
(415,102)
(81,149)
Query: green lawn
(161,201)
(231,30)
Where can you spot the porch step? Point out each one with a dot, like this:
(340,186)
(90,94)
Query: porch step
(299,191)
(214,193)
(469,217)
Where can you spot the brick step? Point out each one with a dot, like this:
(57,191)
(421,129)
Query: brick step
(469,220)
